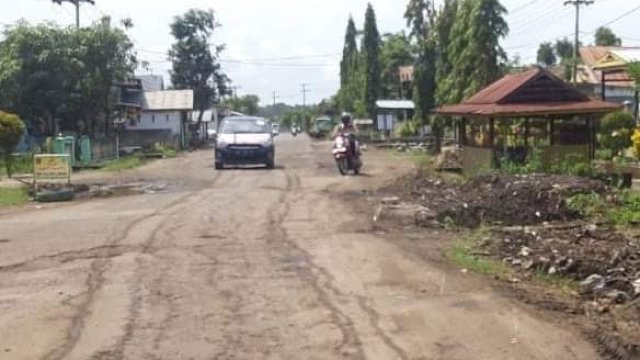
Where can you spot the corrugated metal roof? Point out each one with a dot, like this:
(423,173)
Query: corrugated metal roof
(395,104)
(208,116)
(592,55)
(167,100)
(627,54)
(535,92)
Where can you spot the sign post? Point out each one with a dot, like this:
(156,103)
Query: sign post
(51,167)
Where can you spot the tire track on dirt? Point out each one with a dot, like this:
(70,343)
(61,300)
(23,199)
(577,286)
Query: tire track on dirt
(96,279)
(278,234)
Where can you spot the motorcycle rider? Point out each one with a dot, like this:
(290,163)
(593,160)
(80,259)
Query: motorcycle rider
(348,127)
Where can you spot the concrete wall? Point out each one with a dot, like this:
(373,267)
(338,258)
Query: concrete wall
(151,120)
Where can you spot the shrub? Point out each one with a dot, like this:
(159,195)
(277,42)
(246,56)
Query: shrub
(616,131)
(11,131)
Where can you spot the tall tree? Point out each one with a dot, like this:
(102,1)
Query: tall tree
(396,51)
(444,24)
(475,53)
(349,53)
(606,37)
(247,104)
(420,16)
(350,93)
(371,57)
(546,54)
(195,65)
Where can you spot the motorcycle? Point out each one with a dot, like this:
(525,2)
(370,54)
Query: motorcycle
(346,152)
(294,131)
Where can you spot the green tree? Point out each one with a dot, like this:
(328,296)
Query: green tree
(616,130)
(247,104)
(195,65)
(396,51)
(64,77)
(444,24)
(11,131)
(475,54)
(350,93)
(606,37)
(371,56)
(546,55)
(349,53)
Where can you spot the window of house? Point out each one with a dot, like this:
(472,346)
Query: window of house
(153,118)
(167,118)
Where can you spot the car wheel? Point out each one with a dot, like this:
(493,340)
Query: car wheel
(219,166)
(271,164)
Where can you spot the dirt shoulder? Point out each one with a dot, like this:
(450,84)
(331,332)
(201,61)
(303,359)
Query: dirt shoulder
(522,236)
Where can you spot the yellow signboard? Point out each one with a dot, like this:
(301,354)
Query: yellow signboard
(52,167)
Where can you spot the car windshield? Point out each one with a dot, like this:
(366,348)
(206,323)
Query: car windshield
(256,126)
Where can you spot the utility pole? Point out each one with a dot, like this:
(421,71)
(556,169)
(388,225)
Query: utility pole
(576,44)
(234,90)
(275,96)
(77,5)
(305,90)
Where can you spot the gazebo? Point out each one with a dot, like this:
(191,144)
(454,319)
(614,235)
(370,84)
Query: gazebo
(520,112)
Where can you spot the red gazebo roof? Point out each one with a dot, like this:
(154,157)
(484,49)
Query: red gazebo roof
(535,93)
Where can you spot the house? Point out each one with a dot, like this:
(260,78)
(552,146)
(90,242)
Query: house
(390,113)
(209,122)
(614,86)
(521,112)
(152,82)
(164,117)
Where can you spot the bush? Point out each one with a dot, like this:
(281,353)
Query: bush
(616,131)
(407,129)
(11,131)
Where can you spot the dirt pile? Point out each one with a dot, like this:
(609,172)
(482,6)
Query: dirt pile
(606,263)
(502,199)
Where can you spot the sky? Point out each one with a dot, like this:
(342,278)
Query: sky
(279,45)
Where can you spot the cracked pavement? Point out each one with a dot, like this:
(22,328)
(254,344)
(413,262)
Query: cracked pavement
(246,264)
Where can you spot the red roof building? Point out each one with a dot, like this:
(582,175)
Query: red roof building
(532,109)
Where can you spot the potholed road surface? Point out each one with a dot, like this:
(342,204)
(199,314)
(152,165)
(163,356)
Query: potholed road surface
(246,264)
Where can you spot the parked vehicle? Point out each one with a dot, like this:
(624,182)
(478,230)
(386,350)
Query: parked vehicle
(321,127)
(346,152)
(245,140)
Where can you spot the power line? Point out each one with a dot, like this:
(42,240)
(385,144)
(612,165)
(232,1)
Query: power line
(516,10)
(623,16)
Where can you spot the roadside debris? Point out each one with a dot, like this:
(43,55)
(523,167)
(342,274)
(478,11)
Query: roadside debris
(506,200)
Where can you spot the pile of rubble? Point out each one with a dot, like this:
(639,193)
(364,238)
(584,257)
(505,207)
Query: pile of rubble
(501,199)
(606,263)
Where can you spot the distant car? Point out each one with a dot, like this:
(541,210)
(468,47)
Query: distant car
(245,140)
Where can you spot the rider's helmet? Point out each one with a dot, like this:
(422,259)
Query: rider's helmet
(346,119)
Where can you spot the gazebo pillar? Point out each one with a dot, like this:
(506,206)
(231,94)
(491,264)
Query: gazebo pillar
(491,132)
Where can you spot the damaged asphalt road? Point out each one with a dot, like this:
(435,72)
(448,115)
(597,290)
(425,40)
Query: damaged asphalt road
(248,264)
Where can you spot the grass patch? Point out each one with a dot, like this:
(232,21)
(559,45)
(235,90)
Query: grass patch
(557,282)
(464,254)
(624,210)
(125,163)
(11,196)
